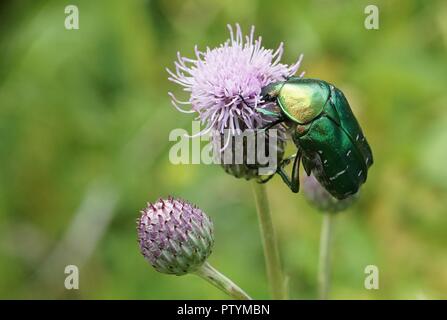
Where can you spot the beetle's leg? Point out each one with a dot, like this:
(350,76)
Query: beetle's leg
(294,183)
(286,161)
(272,124)
(296,171)
(265,180)
(243,100)
(282,164)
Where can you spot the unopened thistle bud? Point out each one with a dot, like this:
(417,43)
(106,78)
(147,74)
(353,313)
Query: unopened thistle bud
(322,199)
(175,236)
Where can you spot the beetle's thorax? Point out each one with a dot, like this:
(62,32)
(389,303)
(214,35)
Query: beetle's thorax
(303,100)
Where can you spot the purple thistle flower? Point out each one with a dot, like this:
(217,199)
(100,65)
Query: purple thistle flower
(219,80)
(175,236)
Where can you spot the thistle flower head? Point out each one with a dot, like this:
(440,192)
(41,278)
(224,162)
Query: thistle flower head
(247,168)
(225,83)
(321,198)
(175,236)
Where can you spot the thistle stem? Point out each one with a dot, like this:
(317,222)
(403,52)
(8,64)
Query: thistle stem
(271,254)
(325,256)
(217,279)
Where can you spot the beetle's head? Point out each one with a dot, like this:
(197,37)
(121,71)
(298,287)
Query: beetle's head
(271,91)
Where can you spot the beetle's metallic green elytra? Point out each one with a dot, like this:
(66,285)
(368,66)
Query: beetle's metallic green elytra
(329,139)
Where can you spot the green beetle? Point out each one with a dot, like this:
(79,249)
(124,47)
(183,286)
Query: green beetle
(329,139)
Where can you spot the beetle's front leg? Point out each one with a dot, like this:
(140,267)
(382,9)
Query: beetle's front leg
(272,124)
(294,183)
(265,180)
(269,126)
(282,164)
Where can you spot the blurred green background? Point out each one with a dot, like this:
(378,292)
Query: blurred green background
(84,124)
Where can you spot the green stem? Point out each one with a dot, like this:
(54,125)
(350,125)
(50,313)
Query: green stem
(272,261)
(217,279)
(325,256)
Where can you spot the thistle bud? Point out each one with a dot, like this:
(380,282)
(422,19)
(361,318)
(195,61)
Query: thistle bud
(175,236)
(321,198)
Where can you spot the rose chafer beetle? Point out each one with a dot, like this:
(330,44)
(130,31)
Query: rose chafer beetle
(329,139)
